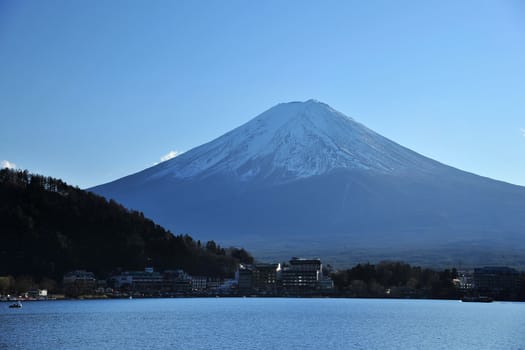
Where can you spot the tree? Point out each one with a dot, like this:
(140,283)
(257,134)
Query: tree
(7,284)
(24,284)
(211,246)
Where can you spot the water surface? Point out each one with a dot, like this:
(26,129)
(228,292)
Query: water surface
(260,323)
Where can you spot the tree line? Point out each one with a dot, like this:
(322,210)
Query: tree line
(401,280)
(396,279)
(48,228)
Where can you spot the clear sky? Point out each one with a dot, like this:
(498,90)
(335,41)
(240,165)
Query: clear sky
(91,91)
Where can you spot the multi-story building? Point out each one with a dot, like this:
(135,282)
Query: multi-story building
(140,281)
(466,280)
(199,283)
(302,274)
(496,279)
(264,277)
(149,281)
(214,283)
(261,278)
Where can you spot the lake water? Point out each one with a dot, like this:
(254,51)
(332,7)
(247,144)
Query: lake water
(259,323)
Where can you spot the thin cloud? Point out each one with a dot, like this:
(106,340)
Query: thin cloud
(523,131)
(7,164)
(168,156)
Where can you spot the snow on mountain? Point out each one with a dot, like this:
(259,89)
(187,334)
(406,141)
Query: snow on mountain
(295,140)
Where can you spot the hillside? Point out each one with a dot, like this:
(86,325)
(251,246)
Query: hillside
(48,228)
(304,179)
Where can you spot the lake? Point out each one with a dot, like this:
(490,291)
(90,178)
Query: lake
(262,323)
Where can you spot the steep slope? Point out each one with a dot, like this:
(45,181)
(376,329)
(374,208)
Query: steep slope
(302,177)
(48,228)
(294,140)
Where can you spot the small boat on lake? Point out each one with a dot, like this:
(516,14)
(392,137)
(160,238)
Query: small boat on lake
(478,299)
(16,305)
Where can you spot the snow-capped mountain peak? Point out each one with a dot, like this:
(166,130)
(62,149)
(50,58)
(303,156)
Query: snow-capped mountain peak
(294,140)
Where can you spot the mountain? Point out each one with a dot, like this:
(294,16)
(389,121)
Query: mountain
(303,178)
(48,228)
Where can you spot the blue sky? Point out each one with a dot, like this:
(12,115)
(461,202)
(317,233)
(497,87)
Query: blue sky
(91,91)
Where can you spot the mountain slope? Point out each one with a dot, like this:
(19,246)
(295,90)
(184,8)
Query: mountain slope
(294,140)
(303,178)
(48,228)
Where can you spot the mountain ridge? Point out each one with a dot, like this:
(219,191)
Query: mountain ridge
(302,169)
(289,134)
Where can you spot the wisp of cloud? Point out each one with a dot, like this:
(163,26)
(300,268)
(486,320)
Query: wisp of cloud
(7,164)
(170,155)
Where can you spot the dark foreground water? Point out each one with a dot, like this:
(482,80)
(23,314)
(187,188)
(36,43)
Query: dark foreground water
(257,323)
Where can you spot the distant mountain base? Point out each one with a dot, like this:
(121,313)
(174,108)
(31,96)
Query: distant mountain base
(459,255)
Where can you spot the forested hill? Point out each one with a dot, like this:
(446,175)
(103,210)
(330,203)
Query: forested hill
(48,227)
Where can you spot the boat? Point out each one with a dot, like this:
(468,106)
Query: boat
(16,305)
(478,299)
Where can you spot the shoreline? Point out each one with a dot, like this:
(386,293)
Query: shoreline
(93,297)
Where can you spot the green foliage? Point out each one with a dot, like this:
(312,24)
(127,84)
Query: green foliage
(7,283)
(49,228)
(400,279)
(242,255)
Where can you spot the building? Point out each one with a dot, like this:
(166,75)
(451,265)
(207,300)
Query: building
(466,280)
(326,283)
(79,282)
(149,281)
(244,278)
(177,281)
(264,277)
(140,281)
(260,278)
(37,293)
(214,283)
(227,287)
(496,280)
(199,283)
(302,274)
